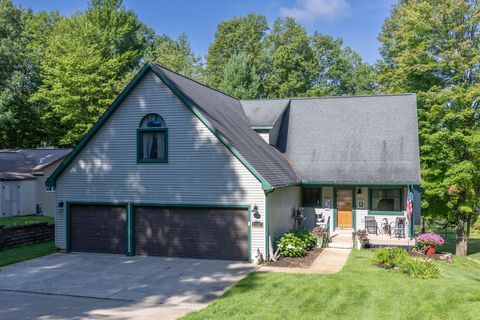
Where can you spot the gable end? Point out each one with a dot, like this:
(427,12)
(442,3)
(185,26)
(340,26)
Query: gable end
(51,181)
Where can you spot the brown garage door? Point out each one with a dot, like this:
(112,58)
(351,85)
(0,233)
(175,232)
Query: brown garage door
(96,228)
(216,233)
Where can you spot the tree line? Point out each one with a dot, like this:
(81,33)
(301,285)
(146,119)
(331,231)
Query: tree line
(59,73)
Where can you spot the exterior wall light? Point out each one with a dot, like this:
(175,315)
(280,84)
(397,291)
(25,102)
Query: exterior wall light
(255,212)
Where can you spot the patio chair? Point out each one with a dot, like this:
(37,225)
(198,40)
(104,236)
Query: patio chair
(371,225)
(397,228)
(385,229)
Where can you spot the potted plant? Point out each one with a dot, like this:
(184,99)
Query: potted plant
(430,242)
(360,239)
(320,233)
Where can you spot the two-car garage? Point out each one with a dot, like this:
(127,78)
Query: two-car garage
(176,231)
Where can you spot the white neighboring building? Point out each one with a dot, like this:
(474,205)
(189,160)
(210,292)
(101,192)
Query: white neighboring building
(22,180)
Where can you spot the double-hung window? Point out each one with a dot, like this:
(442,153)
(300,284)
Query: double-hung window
(152,140)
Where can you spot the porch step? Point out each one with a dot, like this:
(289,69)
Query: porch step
(340,245)
(341,239)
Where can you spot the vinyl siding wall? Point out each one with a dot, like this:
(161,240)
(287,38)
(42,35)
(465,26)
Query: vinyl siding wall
(46,199)
(282,204)
(265,136)
(28,197)
(200,170)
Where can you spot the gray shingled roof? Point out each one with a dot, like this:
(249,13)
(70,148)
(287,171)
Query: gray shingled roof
(225,113)
(368,139)
(24,164)
(262,112)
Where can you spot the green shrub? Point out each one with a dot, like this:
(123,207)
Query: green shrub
(307,237)
(397,258)
(390,257)
(291,246)
(296,243)
(421,269)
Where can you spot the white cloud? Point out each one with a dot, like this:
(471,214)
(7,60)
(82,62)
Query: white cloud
(312,10)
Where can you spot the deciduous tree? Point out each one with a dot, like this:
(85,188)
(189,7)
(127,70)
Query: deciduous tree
(87,56)
(291,63)
(176,55)
(244,34)
(432,47)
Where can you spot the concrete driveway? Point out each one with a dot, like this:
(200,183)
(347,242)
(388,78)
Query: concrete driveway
(94,286)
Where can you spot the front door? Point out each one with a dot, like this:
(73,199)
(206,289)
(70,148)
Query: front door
(344,208)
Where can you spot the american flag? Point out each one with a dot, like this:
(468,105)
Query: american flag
(409,205)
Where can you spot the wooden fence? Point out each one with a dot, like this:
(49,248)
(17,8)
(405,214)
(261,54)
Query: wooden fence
(28,234)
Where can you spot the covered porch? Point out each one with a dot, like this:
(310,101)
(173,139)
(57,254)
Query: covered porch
(342,238)
(378,209)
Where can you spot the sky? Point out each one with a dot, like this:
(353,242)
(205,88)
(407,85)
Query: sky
(357,22)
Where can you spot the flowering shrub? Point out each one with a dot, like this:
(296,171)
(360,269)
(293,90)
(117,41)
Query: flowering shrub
(430,239)
(362,235)
(319,232)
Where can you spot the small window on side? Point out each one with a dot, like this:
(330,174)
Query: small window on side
(312,197)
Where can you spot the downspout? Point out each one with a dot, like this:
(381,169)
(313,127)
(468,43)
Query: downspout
(412,217)
(267,229)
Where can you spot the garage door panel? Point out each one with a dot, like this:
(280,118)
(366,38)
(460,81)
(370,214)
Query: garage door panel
(98,228)
(192,232)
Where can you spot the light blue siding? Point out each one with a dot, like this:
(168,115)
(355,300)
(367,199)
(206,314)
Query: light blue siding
(200,169)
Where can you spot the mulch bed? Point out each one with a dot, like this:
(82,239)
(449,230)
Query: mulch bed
(301,262)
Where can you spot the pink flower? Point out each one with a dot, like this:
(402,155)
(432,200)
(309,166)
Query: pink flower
(430,239)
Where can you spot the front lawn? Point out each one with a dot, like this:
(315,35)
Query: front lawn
(26,252)
(360,291)
(24,220)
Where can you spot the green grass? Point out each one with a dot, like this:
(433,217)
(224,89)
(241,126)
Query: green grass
(24,220)
(26,252)
(360,291)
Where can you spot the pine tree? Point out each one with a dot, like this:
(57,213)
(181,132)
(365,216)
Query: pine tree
(240,78)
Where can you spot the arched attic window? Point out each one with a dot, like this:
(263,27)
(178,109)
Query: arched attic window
(152,140)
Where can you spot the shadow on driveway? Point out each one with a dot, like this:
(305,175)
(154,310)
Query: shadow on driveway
(80,285)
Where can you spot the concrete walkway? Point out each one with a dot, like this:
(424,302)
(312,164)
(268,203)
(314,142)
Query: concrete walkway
(331,260)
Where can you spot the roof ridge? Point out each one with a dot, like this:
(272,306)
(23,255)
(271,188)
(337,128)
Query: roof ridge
(335,97)
(265,99)
(193,80)
(355,96)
